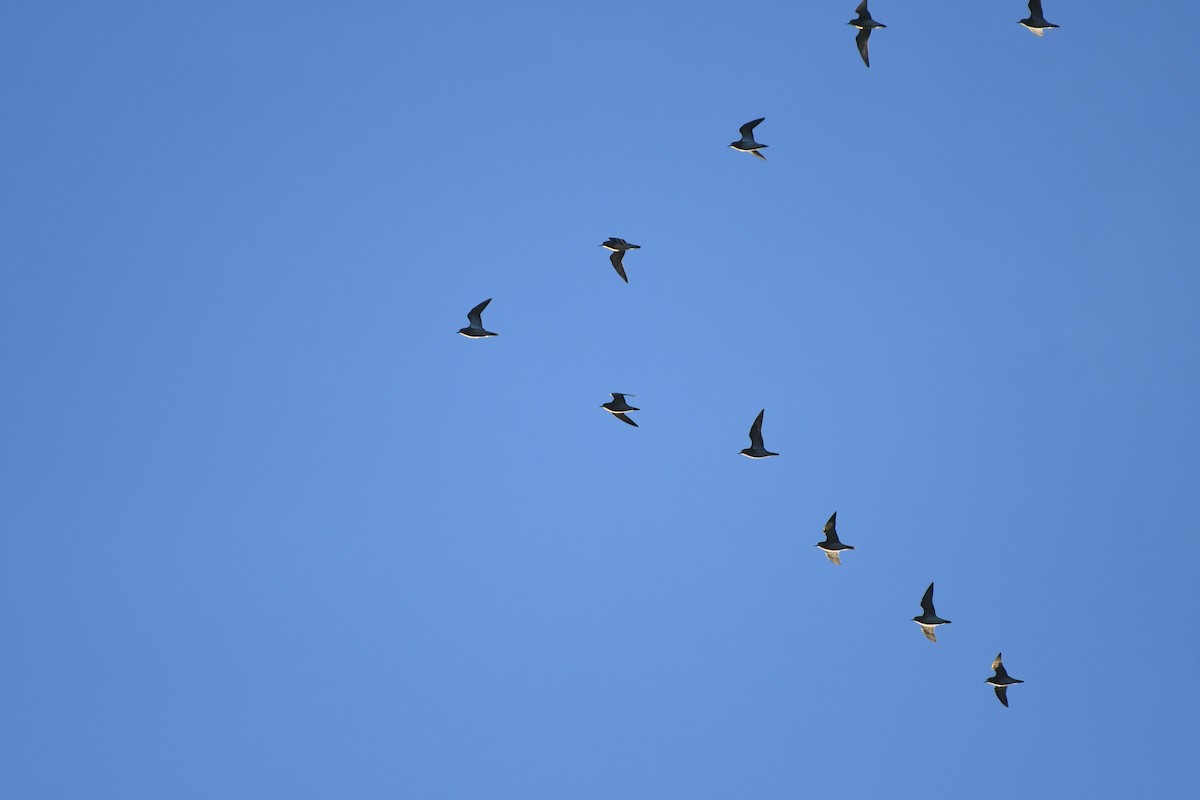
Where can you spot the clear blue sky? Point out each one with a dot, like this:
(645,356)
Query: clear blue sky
(270,528)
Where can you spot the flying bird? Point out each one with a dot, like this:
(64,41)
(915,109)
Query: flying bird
(475,317)
(1035,23)
(618,247)
(756,449)
(619,408)
(865,25)
(1001,680)
(929,620)
(832,545)
(747,144)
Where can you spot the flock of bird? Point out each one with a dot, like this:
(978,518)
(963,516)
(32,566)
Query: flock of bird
(832,546)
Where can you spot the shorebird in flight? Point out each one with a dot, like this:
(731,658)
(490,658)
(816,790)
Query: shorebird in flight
(865,25)
(747,144)
(929,619)
(618,247)
(619,408)
(475,317)
(1035,23)
(756,449)
(1001,681)
(832,545)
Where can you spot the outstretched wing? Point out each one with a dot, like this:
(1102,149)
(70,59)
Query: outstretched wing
(615,258)
(861,41)
(929,634)
(831,525)
(475,315)
(747,130)
(862,9)
(1035,11)
(834,556)
(756,431)
(927,603)
(757,154)
(1002,691)
(624,418)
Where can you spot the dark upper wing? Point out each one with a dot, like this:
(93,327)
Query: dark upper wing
(861,41)
(747,130)
(1002,691)
(998,666)
(927,602)
(830,529)
(862,9)
(615,258)
(756,431)
(1035,11)
(624,418)
(475,315)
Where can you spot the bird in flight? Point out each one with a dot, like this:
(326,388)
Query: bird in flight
(756,449)
(832,545)
(929,619)
(747,144)
(475,317)
(1035,23)
(619,408)
(865,25)
(1001,681)
(618,247)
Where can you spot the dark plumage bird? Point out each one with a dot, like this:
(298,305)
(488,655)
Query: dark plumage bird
(756,449)
(832,545)
(747,144)
(929,619)
(1035,23)
(619,408)
(865,25)
(1001,680)
(475,317)
(618,247)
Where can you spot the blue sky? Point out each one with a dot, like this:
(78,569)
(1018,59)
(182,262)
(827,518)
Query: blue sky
(272,529)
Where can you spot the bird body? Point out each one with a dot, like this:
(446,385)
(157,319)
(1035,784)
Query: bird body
(1036,22)
(1001,680)
(475,317)
(832,546)
(929,620)
(747,144)
(756,449)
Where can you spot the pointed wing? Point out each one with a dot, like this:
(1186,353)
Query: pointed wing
(861,41)
(475,315)
(929,634)
(834,556)
(1035,31)
(862,9)
(617,396)
(831,525)
(756,431)
(1002,691)
(624,418)
(615,258)
(927,602)
(1035,11)
(757,154)
(998,665)
(747,130)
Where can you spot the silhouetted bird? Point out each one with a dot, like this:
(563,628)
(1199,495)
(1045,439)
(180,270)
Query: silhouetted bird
(1001,680)
(618,247)
(929,620)
(756,449)
(747,144)
(475,317)
(832,545)
(865,25)
(619,408)
(1035,23)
